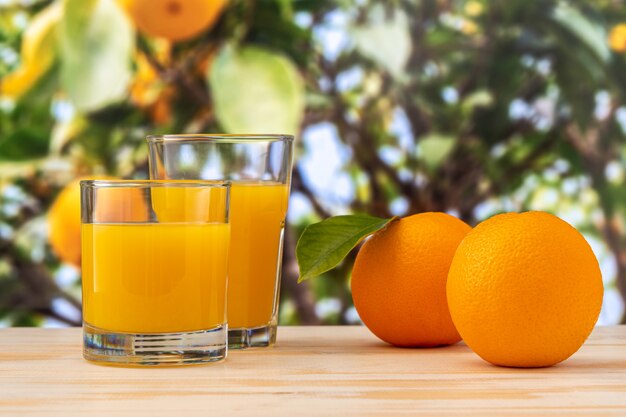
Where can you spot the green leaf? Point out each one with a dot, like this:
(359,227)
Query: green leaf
(587,31)
(256,91)
(434,149)
(323,245)
(24,143)
(96,43)
(385,41)
(479,98)
(64,131)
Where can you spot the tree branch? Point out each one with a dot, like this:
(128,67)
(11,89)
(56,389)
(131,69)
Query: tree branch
(176,76)
(301,293)
(595,159)
(55,315)
(39,289)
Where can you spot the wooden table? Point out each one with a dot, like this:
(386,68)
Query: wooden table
(313,371)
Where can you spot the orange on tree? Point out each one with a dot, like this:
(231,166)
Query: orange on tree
(37,52)
(399,280)
(64,222)
(113,205)
(617,38)
(524,290)
(176,20)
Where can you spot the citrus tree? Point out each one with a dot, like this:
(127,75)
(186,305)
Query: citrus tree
(470,107)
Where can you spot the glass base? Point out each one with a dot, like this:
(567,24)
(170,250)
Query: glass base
(255,337)
(163,349)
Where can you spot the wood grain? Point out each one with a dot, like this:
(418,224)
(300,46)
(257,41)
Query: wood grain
(313,371)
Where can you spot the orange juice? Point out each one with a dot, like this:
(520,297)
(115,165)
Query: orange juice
(257,216)
(155,277)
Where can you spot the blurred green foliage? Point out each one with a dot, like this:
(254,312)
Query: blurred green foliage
(471,107)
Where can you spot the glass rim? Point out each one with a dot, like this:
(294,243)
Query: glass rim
(155,183)
(220,137)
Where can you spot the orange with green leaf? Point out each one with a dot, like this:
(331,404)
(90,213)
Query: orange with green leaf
(522,290)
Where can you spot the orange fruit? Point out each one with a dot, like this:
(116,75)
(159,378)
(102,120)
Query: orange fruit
(112,205)
(176,20)
(617,38)
(524,290)
(399,280)
(64,222)
(37,53)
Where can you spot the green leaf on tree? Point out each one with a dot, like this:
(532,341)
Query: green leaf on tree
(97,43)
(434,149)
(24,143)
(256,91)
(385,41)
(323,245)
(591,33)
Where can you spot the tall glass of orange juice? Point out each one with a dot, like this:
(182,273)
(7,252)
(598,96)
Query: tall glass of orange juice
(259,169)
(154,271)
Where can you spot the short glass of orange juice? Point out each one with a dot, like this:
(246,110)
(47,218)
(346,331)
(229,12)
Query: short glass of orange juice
(259,169)
(154,271)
